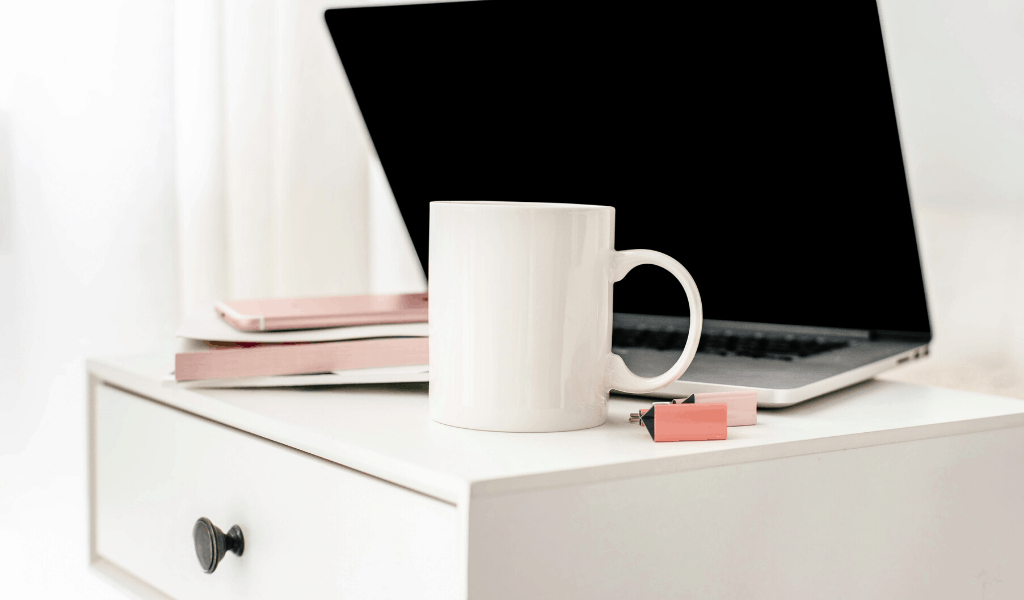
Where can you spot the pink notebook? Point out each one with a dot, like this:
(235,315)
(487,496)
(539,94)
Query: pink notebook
(255,360)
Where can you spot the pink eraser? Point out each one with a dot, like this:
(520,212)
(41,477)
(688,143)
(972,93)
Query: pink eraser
(742,405)
(689,422)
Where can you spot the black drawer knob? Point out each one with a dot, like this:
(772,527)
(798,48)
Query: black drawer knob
(211,543)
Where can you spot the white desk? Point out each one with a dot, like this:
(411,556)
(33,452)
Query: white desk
(883,490)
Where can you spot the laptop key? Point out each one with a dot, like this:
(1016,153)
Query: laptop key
(760,346)
(660,340)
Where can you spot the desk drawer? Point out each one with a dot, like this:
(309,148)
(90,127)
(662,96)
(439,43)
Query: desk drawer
(312,529)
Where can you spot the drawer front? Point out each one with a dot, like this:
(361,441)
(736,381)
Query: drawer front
(312,529)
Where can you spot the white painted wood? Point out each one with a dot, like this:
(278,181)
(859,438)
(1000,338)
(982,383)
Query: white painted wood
(126,582)
(449,463)
(935,518)
(883,490)
(312,529)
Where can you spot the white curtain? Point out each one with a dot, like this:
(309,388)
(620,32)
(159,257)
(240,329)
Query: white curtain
(277,190)
(271,161)
(153,157)
(88,265)
(159,156)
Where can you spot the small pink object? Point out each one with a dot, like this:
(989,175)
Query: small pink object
(330,311)
(742,405)
(684,422)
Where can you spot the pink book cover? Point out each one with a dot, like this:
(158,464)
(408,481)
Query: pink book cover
(255,360)
(276,314)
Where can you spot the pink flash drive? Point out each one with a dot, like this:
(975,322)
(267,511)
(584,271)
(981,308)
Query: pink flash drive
(667,422)
(742,405)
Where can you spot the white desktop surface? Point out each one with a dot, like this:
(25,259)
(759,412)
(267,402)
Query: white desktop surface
(880,490)
(386,432)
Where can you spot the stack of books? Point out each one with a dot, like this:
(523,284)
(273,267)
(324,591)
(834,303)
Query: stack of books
(211,353)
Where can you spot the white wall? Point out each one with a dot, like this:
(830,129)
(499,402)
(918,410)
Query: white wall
(958,73)
(90,268)
(89,265)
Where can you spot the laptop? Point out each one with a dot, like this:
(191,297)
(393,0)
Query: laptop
(759,146)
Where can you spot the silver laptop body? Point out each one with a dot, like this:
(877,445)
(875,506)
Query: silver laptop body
(759,147)
(781,379)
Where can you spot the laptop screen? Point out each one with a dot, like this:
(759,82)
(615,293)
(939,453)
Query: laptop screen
(756,145)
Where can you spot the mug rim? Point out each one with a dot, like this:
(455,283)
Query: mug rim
(511,204)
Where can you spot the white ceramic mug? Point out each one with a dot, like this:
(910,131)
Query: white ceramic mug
(521,315)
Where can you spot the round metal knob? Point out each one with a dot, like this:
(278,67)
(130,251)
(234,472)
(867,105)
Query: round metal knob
(211,543)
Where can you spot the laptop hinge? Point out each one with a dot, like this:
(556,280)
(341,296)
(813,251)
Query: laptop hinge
(902,336)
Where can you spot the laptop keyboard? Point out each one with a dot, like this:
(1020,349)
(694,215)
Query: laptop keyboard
(756,345)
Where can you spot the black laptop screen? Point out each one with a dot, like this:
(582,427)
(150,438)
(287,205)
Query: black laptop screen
(758,145)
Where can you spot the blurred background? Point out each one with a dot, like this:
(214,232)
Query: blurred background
(155,156)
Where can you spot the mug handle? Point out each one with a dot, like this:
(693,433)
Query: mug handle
(619,377)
